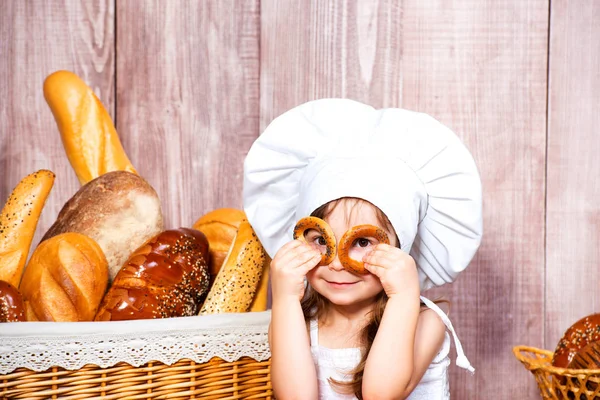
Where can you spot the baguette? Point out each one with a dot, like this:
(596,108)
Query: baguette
(259,303)
(238,279)
(18,221)
(220,227)
(86,129)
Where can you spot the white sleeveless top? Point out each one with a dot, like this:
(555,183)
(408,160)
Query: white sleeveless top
(336,363)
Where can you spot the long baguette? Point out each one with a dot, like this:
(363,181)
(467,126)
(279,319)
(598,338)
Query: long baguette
(87,131)
(259,303)
(234,287)
(18,221)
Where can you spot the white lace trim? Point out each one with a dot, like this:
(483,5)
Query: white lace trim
(41,345)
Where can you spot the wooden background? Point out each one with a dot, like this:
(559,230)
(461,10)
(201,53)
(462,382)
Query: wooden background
(191,84)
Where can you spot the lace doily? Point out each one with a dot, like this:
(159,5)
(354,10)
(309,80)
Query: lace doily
(71,345)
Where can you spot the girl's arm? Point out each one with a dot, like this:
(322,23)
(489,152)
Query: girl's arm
(293,372)
(407,340)
(405,345)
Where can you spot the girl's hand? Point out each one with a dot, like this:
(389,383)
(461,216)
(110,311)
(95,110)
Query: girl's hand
(289,267)
(395,269)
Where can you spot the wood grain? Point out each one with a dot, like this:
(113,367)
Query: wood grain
(187,99)
(479,67)
(38,38)
(573,213)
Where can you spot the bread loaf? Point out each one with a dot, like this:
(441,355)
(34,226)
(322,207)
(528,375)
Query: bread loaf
(259,302)
(578,336)
(234,287)
(18,221)
(65,279)
(220,227)
(119,210)
(12,308)
(86,129)
(166,277)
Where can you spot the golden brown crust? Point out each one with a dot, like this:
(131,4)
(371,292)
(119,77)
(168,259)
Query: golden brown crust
(578,336)
(65,279)
(119,210)
(12,308)
(86,129)
(235,286)
(346,242)
(18,221)
(219,226)
(166,277)
(307,223)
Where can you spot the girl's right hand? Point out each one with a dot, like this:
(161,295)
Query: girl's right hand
(289,267)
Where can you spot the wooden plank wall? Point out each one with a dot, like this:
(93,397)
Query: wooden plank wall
(191,85)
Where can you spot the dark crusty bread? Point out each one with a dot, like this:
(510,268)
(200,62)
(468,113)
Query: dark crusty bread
(119,210)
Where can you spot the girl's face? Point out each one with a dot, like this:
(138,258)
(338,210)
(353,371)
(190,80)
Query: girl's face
(339,286)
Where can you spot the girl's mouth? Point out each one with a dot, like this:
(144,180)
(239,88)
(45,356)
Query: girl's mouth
(340,285)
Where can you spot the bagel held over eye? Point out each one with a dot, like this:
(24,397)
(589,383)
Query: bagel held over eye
(308,223)
(350,237)
(166,277)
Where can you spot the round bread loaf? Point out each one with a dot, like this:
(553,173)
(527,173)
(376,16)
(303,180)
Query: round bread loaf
(577,337)
(65,279)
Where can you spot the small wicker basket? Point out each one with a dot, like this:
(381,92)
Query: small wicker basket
(559,383)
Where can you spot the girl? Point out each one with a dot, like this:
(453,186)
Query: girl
(336,334)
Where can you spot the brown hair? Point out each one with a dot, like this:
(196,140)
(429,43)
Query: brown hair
(313,305)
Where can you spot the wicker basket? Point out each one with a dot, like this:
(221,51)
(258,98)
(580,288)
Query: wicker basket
(240,377)
(559,383)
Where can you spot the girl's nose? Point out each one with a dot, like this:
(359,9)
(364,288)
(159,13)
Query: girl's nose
(336,265)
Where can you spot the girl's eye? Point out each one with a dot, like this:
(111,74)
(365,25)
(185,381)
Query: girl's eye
(321,241)
(362,242)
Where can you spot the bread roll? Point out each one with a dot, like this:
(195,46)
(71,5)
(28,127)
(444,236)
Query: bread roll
(18,221)
(65,279)
(236,284)
(12,308)
(166,277)
(220,227)
(579,335)
(119,210)
(86,129)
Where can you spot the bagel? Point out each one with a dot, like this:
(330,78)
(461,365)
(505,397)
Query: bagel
(357,232)
(323,227)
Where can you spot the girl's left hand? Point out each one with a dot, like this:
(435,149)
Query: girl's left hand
(395,269)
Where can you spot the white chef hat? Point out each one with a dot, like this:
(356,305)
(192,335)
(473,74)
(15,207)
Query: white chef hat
(409,165)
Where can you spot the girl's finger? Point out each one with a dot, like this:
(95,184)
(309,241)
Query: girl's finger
(374,269)
(298,256)
(310,264)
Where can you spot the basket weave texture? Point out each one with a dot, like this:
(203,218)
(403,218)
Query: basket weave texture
(186,379)
(559,383)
